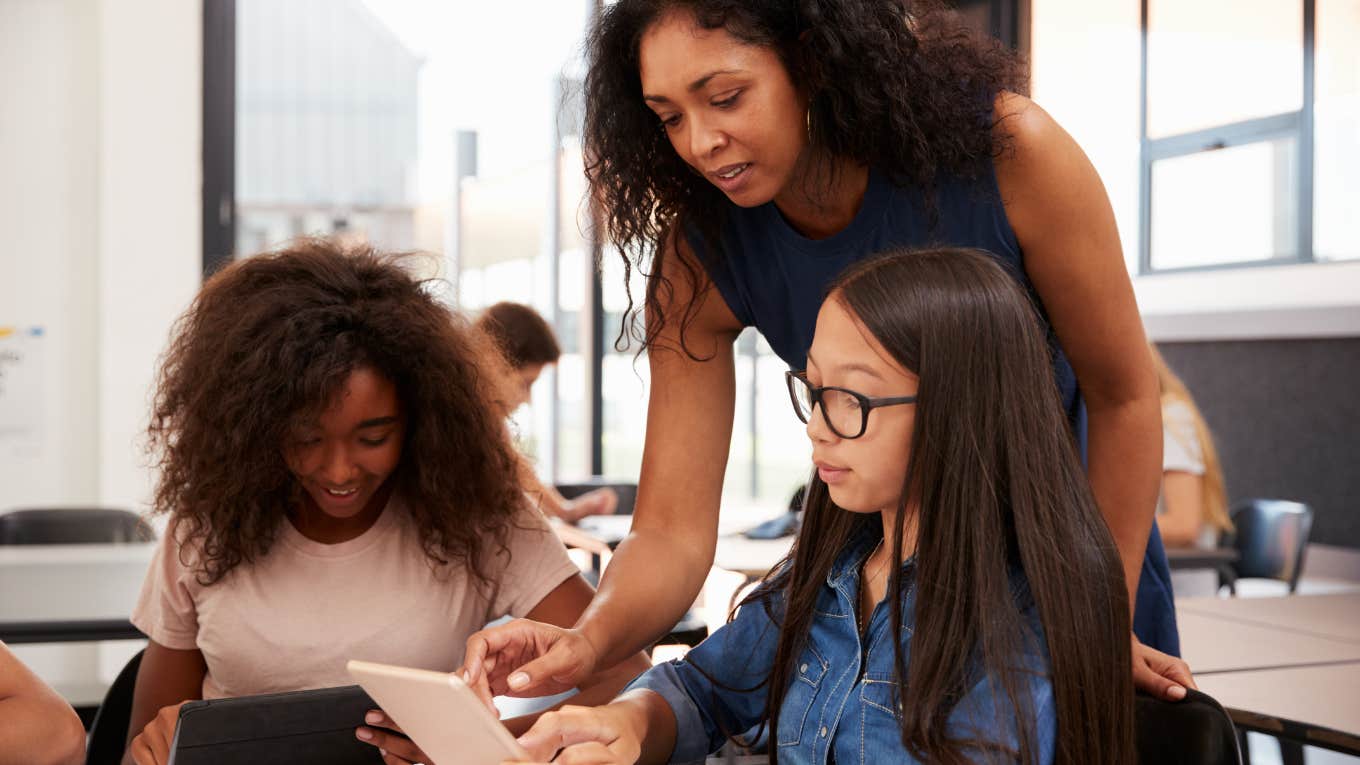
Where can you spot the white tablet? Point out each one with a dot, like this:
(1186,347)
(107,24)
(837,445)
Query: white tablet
(440,713)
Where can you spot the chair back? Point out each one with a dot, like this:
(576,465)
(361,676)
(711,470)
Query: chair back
(72,526)
(1193,731)
(627,492)
(108,732)
(1270,536)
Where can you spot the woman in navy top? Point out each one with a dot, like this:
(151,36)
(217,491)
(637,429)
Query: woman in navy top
(742,155)
(954,594)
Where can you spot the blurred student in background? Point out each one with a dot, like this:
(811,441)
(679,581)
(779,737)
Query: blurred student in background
(1193,509)
(529,346)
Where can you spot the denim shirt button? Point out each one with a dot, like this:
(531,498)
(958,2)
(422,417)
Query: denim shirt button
(803,668)
(823,731)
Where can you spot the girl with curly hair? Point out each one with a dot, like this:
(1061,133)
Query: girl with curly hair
(745,152)
(953,595)
(338,486)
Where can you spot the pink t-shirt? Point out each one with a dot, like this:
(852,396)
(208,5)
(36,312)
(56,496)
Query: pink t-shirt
(292,619)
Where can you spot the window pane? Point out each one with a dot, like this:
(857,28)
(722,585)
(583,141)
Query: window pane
(1233,205)
(1216,62)
(1336,192)
(327,123)
(783,447)
(740,484)
(625,381)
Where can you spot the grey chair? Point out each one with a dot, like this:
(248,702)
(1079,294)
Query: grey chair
(1270,536)
(72,526)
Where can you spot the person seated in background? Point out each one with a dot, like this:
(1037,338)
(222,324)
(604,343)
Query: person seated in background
(528,345)
(1193,508)
(338,485)
(37,727)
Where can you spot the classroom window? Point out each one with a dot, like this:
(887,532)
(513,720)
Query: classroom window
(1249,131)
(1336,126)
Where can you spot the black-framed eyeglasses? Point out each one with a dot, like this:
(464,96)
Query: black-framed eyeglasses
(845,411)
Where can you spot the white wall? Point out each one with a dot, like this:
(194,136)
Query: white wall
(1085,72)
(100,114)
(48,213)
(150,251)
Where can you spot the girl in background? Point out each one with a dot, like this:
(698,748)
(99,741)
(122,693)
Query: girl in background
(1193,511)
(528,345)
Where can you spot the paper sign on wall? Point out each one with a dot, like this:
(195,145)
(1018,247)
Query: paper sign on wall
(21,387)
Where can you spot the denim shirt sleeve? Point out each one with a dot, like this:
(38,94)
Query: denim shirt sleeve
(739,655)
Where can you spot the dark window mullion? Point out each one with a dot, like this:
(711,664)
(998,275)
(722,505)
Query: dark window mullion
(1144,153)
(1305,138)
(219,134)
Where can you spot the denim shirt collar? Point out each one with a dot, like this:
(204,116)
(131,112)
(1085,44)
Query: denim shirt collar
(863,541)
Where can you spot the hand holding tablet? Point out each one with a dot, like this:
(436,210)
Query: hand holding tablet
(439,713)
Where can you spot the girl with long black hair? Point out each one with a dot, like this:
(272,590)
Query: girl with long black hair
(953,594)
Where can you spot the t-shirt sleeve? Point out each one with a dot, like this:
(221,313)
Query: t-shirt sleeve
(1180,442)
(537,564)
(166,611)
(720,273)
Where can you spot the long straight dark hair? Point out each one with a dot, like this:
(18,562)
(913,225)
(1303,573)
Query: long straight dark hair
(999,484)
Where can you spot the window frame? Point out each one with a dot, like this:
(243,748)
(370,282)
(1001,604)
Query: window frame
(1297,125)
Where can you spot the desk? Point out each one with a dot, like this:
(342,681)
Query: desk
(752,558)
(1318,706)
(1211,644)
(600,534)
(58,593)
(1336,617)
(1288,667)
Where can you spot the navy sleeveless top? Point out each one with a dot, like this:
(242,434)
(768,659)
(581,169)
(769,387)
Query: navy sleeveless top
(774,279)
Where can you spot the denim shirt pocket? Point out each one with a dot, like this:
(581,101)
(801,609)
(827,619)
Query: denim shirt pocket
(801,695)
(880,719)
(880,693)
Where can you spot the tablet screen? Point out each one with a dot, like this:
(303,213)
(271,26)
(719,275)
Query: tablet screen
(440,713)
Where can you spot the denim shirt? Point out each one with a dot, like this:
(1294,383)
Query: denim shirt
(839,706)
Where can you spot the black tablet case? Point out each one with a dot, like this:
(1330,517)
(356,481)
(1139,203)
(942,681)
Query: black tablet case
(297,728)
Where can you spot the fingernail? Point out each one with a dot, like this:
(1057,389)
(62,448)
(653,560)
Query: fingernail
(519,680)
(373,718)
(467,676)
(364,734)
(1177,692)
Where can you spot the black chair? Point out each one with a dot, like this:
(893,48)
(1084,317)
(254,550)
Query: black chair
(108,732)
(627,492)
(72,526)
(1193,731)
(1270,536)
